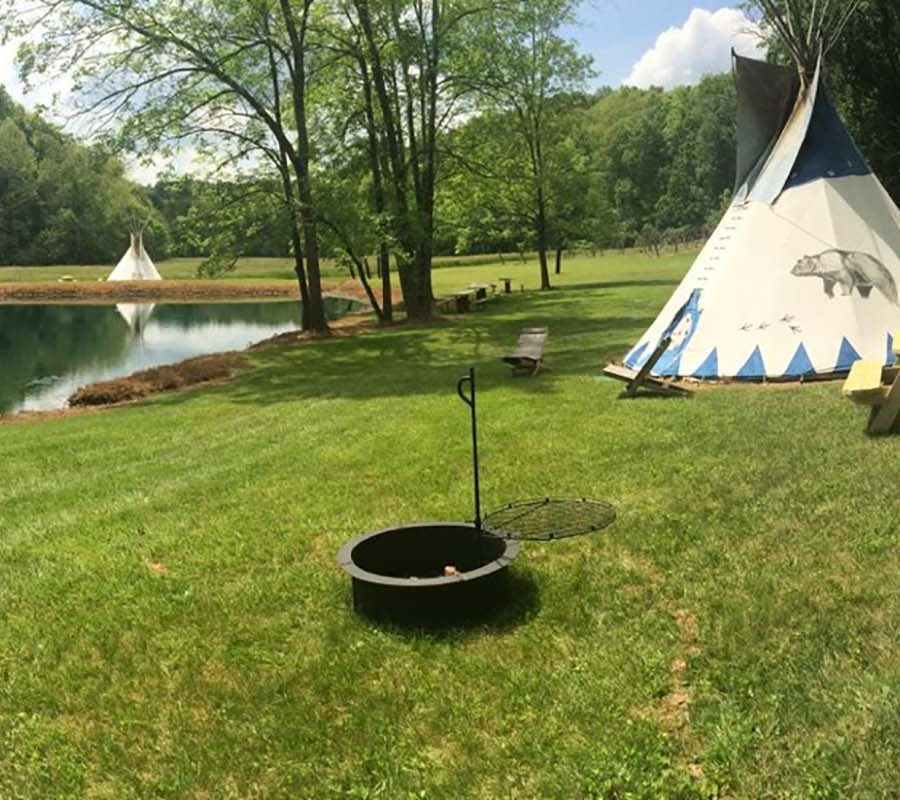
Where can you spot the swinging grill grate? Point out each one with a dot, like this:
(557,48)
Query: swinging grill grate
(549,518)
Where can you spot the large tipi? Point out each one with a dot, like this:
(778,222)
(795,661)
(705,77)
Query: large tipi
(801,276)
(135,265)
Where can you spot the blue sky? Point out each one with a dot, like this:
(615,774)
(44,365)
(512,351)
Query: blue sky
(617,33)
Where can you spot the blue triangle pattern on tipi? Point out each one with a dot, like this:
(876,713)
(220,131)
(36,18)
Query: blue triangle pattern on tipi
(890,359)
(669,363)
(710,367)
(754,368)
(635,357)
(846,356)
(800,363)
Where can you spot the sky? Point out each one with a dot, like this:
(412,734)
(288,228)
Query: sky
(635,42)
(661,42)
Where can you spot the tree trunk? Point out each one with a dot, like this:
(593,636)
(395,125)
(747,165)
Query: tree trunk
(541,230)
(384,269)
(300,272)
(364,280)
(559,255)
(317,320)
(300,163)
(415,281)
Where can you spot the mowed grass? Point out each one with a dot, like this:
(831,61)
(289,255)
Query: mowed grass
(451,272)
(173,624)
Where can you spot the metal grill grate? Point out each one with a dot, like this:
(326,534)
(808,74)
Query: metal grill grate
(549,518)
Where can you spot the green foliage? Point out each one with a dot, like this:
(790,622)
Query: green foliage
(235,218)
(662,161)
(622,168)
(863,70)
(217,265)
(61,201)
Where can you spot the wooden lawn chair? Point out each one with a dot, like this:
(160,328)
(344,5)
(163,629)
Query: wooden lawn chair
(529,353)
(642,379)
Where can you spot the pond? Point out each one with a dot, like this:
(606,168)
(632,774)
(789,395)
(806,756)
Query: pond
(49,351)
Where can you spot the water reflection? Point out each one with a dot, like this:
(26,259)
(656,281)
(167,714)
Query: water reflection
(136,315)
(47,352)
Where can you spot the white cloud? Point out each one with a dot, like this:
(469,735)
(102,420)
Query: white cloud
(702,46)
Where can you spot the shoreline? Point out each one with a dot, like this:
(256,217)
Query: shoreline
(102,292)
(193,373)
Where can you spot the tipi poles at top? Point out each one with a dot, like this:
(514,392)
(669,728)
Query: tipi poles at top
(824,26)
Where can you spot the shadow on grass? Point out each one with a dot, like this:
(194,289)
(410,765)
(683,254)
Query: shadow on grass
(522,604)
(620,284)
(429,359)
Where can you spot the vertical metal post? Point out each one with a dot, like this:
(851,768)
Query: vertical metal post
(470,402)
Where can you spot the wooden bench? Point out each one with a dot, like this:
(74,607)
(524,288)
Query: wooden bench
(638,379)
(529,353)
(872,384)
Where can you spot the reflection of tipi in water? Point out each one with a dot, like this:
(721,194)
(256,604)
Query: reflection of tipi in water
(137,315)
(135,264)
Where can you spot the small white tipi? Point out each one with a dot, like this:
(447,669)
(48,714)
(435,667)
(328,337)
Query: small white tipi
(801,276)
(135,264)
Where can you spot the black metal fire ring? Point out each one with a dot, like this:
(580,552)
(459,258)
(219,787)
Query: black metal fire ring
(479,587)
(345,558)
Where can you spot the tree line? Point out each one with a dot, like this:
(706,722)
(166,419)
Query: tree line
(395,130)
(624,167)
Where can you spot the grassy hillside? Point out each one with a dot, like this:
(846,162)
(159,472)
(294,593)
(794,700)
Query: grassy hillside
(174,624)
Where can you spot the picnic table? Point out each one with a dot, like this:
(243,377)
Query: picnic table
(481,290)
(463,301)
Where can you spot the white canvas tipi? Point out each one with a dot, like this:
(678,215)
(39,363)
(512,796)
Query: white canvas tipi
(135,264)
(801,276)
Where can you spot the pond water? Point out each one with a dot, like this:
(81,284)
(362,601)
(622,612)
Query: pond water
(49,351)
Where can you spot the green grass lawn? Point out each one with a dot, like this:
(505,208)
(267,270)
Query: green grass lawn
(173,624)
(451,272)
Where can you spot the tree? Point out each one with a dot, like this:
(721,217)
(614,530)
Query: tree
(628,156)
(402,52)
(524,67)
(18,192)
(234,72)
(699,130)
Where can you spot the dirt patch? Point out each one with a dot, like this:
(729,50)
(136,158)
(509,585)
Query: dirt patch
(173,291)
(675,708)
(203,369)
(141,291)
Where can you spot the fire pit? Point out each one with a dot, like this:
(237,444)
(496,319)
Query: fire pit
(453,572)
(432,572)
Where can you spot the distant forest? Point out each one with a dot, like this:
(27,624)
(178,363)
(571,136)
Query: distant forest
(621,168)
(631,166)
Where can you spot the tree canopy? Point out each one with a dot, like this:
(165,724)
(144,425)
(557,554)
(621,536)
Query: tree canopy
(390,131)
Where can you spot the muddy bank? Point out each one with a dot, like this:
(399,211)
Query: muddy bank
(138,385)
(142,291)
(195,371)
